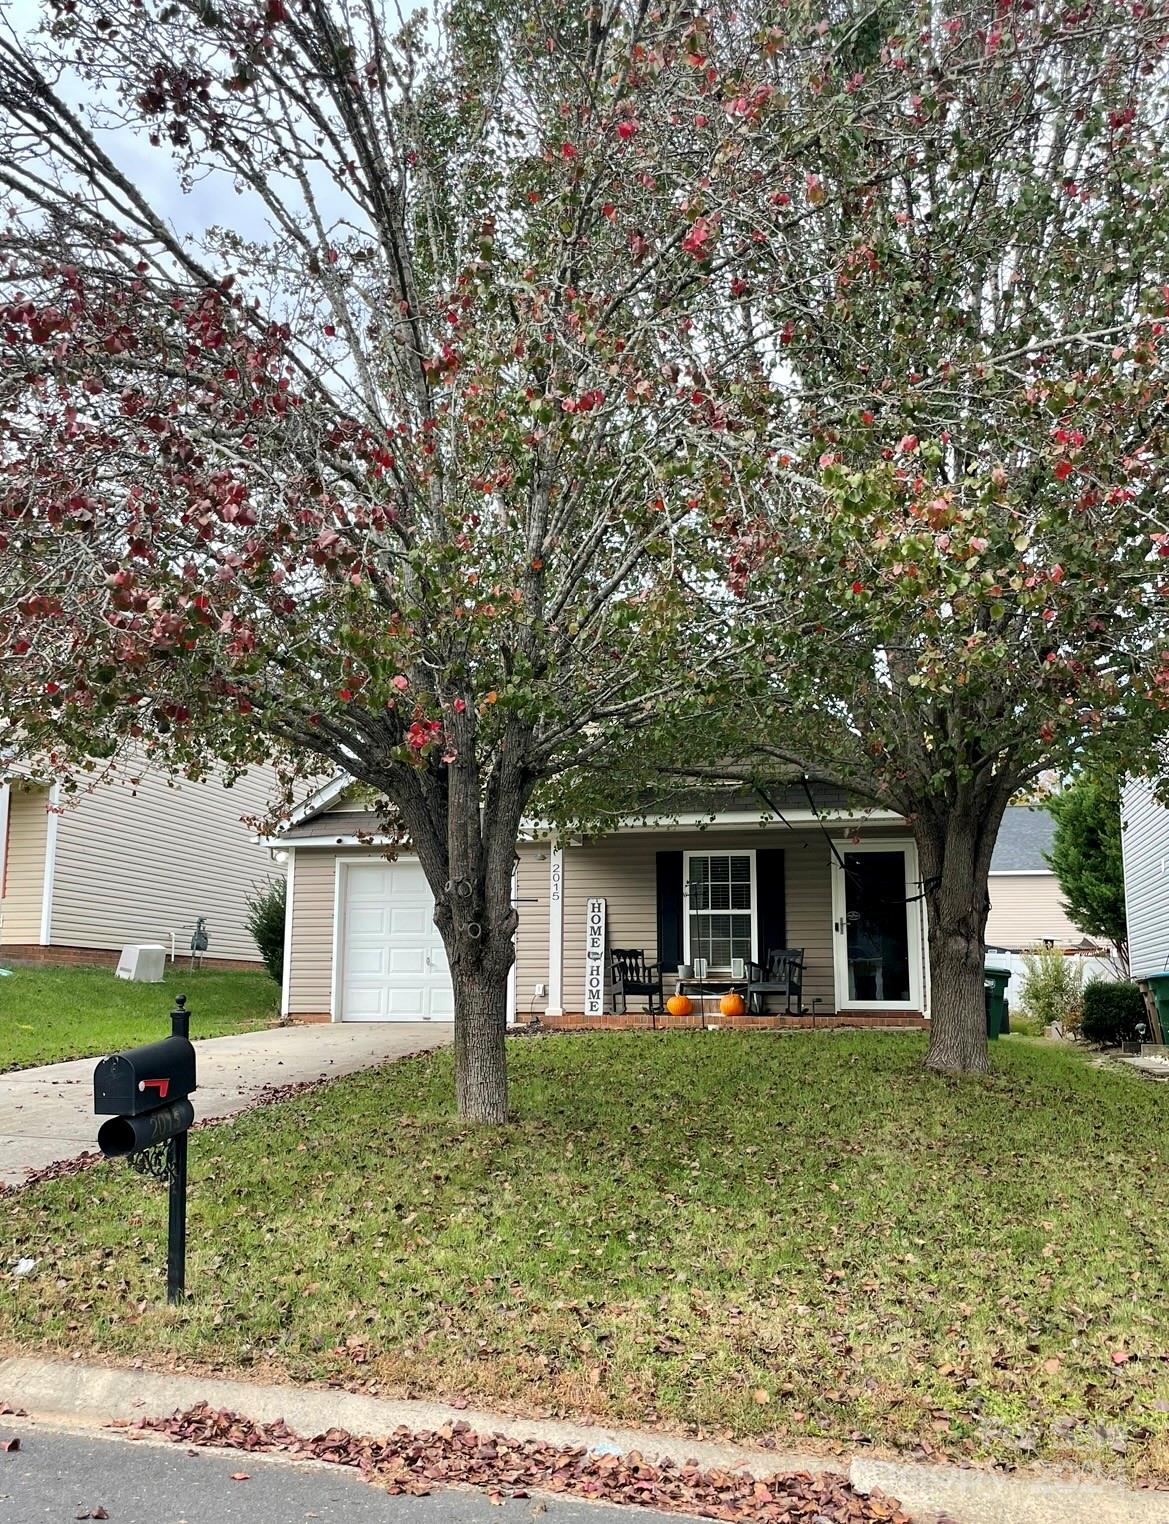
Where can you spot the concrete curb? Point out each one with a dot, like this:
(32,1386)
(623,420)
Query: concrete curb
(89,1394)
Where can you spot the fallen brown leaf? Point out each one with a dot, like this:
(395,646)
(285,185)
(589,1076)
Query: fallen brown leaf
(412,1463)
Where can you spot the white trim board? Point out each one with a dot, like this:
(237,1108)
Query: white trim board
(555,1002)
(5,796)
(289,902)
(53,821)
(534,831)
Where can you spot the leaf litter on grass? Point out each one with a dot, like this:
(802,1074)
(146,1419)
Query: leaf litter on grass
(960,1294)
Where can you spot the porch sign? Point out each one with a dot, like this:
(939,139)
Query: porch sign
(595,958)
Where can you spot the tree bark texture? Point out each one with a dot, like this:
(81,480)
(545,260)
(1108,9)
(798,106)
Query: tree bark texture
(480,1051)
(954,843)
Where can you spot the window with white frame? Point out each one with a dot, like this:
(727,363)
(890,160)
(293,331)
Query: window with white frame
(720,913)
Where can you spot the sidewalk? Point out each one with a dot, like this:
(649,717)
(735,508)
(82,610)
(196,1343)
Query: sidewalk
(85,1394)
(46,1114)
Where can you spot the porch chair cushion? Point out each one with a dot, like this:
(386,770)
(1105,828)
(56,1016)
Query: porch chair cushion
(781,973)
(632,975)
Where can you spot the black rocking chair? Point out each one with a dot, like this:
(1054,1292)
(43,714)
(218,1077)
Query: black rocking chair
(632,975)
(782,973)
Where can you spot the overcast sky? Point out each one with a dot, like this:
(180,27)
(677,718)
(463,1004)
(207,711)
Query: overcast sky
(211,201)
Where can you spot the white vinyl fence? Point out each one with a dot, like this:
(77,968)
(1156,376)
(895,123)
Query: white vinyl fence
(1094,966)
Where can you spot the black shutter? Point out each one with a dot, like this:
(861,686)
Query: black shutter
(769,885)
(670,911)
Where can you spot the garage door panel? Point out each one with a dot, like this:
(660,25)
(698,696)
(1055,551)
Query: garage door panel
(365,1004)
(412,921)
(442,1004)
(363,961)
(393,965)
(367,920)
(405,962)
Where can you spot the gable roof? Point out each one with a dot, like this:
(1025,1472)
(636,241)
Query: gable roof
(1024,836)
(322,820)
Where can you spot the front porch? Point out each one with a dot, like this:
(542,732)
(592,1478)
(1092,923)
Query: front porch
(845,892)
(714,1021)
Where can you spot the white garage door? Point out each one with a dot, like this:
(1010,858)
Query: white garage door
(393,964)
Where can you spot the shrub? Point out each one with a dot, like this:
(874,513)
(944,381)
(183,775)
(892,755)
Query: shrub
(1053,990)
(1113,1009)
(266,906)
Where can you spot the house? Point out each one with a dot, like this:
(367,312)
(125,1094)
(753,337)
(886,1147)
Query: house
(840,883)
(1145,846)
(137,859)
(1026,902)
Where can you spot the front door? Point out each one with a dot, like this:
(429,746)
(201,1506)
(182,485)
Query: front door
(876,918)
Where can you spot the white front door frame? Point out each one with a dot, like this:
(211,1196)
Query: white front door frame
(913,914)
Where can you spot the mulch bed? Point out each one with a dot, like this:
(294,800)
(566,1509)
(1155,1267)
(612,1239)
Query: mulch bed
(415,1463)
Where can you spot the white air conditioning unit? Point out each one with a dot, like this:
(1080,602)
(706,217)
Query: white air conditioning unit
(142,962)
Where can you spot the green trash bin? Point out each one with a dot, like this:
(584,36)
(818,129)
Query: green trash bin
(995,989)
(1159,989)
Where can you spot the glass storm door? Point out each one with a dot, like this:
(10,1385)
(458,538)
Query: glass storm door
(876,927)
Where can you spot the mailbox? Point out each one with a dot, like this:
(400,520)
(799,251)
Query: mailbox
(144,1079)
(143,1094)
(121,1136)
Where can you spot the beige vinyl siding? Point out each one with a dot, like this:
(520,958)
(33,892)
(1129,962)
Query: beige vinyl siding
(622,870)
(140,857)
(310,983)
(531,942)
(1026,908)
(310,989)
(24,879)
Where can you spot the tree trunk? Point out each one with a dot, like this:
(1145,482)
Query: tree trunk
(480,1038)
(955,842)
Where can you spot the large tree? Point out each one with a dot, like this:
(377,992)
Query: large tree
(972,316)
(389,462)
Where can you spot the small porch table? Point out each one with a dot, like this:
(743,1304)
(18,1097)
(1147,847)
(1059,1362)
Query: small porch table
(715,987)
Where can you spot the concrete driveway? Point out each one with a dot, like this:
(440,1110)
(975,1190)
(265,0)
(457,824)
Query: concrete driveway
(46,1113)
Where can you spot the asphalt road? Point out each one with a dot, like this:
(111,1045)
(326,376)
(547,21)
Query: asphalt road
(57,1477)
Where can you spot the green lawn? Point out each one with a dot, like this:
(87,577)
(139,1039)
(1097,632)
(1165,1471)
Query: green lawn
(48,1014)
(801,1236)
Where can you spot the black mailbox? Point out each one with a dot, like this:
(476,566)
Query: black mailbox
(143,1079)
(143,1094)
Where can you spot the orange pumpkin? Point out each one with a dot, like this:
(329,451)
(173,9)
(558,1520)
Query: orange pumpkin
(731,1004)
(679,1005)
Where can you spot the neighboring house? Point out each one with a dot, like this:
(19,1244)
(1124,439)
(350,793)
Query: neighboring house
(839,883)
(1026,902)
(134,860)
(1145,844)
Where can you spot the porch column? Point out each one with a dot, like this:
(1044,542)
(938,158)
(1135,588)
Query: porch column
(555,1006)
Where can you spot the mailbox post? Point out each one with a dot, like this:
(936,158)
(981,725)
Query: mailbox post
(144,1094)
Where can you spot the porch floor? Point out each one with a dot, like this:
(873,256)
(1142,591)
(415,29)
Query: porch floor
(777,1021)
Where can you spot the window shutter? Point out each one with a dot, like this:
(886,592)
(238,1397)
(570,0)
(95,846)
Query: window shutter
(670,911)
(769,886)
